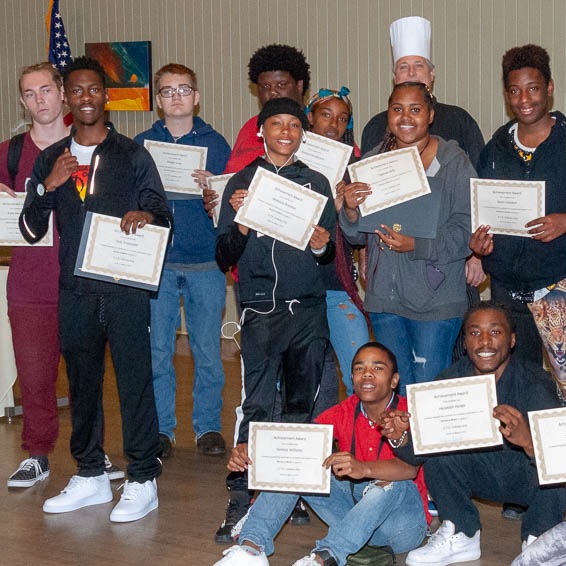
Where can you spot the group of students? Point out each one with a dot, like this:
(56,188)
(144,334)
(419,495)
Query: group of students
(294,302)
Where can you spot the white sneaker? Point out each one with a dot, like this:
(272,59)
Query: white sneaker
(113,471)
(446,546)
(237,556)
(80,492)
(307,561)
(530,540)
(138,499)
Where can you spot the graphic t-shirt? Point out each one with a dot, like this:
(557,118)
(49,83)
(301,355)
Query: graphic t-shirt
(83,153)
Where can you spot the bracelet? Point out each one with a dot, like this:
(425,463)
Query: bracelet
(397,443)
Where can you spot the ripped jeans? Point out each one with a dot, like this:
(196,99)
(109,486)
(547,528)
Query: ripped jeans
(348,331)
(423,348)
(392,515)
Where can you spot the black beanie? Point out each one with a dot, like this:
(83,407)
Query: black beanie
(282,106)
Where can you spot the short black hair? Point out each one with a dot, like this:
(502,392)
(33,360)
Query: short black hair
(529,55)
(84,63)
(494,306)
(277,57)
(378,346)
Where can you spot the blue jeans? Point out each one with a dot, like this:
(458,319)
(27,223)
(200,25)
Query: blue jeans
(203,295)
(423,348)
(391,515)
(348,331)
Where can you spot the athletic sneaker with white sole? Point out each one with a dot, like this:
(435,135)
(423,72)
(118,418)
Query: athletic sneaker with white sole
(29,472)
(138,499)
(445,547)
(80,492)
(238,556)
(113,471)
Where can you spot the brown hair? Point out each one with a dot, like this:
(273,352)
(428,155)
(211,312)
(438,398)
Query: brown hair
(45,66)
(175,69)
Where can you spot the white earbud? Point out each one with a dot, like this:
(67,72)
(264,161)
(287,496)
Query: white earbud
(304,137)
(260,133)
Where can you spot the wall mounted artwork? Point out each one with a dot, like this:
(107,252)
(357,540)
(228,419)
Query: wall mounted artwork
(127,65)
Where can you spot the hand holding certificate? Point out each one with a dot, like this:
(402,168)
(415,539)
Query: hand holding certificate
(548,431)
(453,414)
(176,163)
(289,457)
(109,254)
(281,209)
(395,177)
(217,183)
(326,156)
(10,235)
(506,206)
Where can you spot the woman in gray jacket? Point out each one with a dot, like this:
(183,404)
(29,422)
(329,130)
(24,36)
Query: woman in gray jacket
(416,286)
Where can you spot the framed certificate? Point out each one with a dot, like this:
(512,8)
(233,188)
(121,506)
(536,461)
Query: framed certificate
(453,414)
(217,183)
(326,156)
(395,177)
(506,206)
(289,457)
(10,210)
(281,209)
(548,430)
(176,163)
(109,254)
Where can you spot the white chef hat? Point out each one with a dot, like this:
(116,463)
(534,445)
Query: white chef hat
(410,36)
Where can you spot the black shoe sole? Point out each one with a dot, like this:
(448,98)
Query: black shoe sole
(223,538)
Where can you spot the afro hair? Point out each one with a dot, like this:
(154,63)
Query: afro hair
(529,55)
(278,57)
(86,64)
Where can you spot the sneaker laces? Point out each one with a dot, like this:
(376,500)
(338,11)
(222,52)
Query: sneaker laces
(441,536)
(237,528)
(76,482)
(28,464)
(131,490)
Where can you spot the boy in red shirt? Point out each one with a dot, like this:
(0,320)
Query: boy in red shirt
(374,497)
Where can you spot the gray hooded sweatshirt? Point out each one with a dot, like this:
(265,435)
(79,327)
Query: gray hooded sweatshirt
(401,283)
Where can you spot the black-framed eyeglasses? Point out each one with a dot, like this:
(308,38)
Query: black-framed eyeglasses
(181,90)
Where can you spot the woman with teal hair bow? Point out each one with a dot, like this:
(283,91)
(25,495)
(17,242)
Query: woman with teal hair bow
(330,115)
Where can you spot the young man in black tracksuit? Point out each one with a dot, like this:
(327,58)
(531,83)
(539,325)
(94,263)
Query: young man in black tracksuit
(282,295)
(96,169)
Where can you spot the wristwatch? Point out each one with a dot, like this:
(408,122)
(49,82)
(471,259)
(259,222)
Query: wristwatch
(40,189)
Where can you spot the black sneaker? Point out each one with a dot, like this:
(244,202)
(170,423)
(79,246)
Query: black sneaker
(238,506)
(30,471)
(300,515)
(113,471)
(166,443)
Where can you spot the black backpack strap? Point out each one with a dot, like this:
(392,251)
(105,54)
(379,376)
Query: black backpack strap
(14,153)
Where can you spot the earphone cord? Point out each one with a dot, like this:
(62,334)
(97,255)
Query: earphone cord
(277,169)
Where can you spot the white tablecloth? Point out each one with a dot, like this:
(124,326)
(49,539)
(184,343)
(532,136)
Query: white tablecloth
(7,363)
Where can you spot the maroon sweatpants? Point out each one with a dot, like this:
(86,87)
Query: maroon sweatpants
(35,336)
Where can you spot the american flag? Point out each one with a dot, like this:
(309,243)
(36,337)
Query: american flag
(58,49)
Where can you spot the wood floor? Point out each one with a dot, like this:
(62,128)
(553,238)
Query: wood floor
(192,500)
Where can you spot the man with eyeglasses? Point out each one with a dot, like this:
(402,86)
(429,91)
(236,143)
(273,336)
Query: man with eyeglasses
(190,271)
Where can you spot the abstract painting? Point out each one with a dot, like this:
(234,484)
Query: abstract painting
(127,65)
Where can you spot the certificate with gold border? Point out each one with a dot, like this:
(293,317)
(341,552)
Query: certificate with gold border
(453,414)
(281,209)
(109,254)
(506,206)
(10,235)
(217,183)
(289,457)
(176,163)
(329,157)
(548,431)
(395,177)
